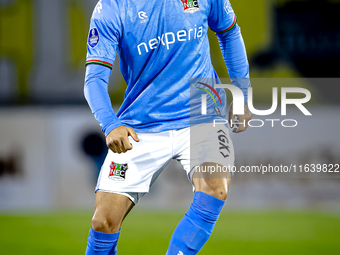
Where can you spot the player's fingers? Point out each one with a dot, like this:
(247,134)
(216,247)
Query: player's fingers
(117,146)
(111,147)
(126,144)
(242,126)
(239,129)
(235,123)
(236,129)
(133,134)
(122,147)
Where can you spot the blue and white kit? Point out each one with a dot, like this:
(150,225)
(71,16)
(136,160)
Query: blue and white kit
(161,45)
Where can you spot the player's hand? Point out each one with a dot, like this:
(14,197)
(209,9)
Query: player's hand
(241,119)
(117,140)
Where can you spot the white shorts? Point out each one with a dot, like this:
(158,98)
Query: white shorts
(133,173)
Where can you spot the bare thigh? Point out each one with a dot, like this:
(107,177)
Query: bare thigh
(109,211)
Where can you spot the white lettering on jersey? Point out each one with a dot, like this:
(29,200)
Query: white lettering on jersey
(170,38)
(98,7)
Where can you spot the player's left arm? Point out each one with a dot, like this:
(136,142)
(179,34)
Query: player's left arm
(223,21)
(235,57)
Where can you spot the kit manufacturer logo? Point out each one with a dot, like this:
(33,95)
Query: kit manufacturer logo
(142,15)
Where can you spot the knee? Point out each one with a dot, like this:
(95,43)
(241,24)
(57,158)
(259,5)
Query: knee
(218,192)
(105,224)
(215,187)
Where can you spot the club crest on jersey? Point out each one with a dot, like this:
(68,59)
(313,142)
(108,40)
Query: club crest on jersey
(118,171)
(93,38)
(190,6)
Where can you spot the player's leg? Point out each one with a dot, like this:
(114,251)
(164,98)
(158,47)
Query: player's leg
(195,228)
(123,180)
(207,144)
(109,213)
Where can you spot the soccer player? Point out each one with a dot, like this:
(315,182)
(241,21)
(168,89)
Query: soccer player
(162,45)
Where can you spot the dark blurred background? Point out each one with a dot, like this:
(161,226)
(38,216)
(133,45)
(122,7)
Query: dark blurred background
(43,47)
(51,147)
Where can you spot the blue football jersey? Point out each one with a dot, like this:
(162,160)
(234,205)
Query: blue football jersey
(161,45)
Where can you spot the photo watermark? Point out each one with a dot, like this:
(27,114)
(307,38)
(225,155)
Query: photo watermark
(238,105)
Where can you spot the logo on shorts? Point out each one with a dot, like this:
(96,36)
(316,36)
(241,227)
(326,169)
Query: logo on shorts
(93,37)
(118,171)
(190,6)
(224,142)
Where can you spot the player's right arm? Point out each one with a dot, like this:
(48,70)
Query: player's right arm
(101,52)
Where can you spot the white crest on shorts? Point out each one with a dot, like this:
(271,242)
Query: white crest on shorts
(180,253)
(118,171)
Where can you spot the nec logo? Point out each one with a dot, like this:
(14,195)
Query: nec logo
(170,38)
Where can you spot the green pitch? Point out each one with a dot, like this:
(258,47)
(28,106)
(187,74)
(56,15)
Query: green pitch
(149,233)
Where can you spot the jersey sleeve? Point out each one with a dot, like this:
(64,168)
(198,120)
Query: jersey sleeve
(104,34)
(222,17)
